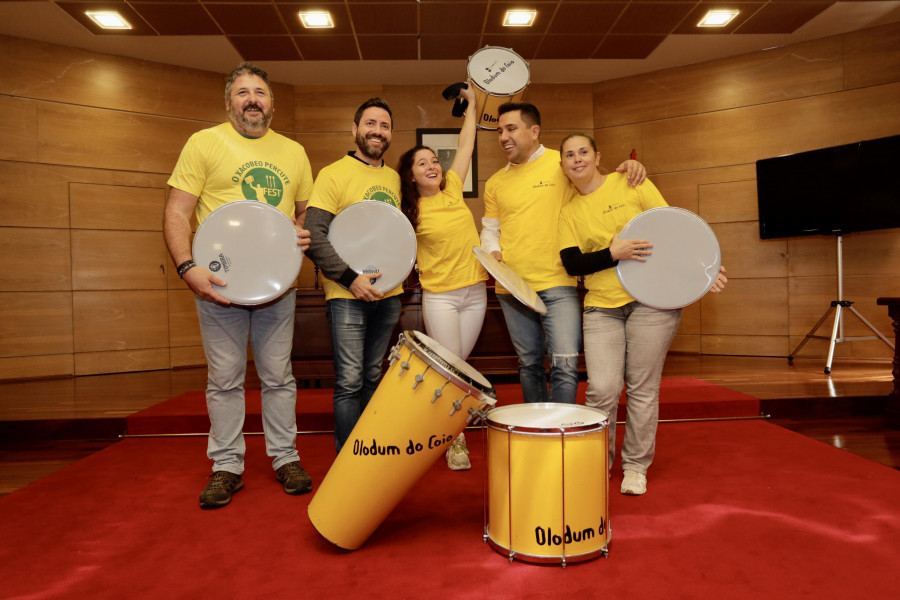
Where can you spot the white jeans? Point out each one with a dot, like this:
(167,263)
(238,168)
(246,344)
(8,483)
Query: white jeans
(453,319)
(628,345)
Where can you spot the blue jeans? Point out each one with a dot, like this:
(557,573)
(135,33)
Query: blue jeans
(628,345)
(556,334)
(360,334)
(224,331)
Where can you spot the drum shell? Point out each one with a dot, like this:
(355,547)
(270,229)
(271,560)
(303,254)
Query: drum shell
(487,107)
(548,489)
(499,75)
(408,433)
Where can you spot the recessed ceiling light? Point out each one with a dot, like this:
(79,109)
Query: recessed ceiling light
(718,18)
(519,18)
(108,19)
(316,20)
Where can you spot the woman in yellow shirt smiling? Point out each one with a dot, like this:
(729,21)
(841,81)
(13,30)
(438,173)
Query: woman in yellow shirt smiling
(454,296)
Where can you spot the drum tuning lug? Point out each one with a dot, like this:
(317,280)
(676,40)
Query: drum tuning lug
(457,405)
(395,354)
(421,377)
(404,366)
(437,394)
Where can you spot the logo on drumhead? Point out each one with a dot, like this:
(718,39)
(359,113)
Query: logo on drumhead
(264,185)
(223,263)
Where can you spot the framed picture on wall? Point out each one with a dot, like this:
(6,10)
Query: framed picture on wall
(444,143)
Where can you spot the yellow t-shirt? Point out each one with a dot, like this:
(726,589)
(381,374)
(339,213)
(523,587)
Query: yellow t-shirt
(445,236)
(346,182)
(589,222)
(527,198)
(219,165)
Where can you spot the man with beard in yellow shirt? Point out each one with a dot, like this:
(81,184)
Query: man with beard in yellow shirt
(361,318)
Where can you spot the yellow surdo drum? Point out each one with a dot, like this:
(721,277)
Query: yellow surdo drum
(424,401)
(500,75)
(547,482)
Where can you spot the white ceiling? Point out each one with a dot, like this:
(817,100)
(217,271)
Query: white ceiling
(46,22)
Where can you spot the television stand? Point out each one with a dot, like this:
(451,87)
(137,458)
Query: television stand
(838,306)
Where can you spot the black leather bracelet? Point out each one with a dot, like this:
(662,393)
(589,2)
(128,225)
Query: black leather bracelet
(185,267)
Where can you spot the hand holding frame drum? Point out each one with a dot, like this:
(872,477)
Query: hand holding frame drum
(685,262)
(253,247)
(374,237)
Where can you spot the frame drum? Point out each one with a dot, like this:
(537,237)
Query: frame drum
(426,398)
(511,281)
(500,75)
(252,246)
(374,237)
(548,482)
(685,261)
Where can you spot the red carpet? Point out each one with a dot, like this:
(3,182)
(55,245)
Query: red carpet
(739,509)
(680,398)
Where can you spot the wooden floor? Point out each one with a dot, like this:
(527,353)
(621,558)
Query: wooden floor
(843,409)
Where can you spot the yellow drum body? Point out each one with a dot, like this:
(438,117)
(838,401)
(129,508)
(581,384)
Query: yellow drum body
(548,484)
(499,75)
(424,401)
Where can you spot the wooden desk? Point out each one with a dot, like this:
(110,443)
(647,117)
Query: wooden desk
(892,411)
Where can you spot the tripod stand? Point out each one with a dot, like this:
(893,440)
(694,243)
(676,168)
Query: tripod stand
(837,332)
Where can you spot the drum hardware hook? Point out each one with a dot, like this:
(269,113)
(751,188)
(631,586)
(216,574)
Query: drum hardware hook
(439,391)
(421,377)
(477,414)
(404,366)
(457,404)
(395,354)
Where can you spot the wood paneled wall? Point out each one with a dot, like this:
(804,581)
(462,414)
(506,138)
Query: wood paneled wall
(701,128)
(90,139)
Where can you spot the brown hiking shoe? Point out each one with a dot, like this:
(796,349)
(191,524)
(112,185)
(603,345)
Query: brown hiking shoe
(222,484)
(295,478)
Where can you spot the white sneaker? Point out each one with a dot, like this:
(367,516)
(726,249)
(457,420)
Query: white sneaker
(458,455)
(634,483)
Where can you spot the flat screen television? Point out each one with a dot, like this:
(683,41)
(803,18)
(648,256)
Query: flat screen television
(831,191)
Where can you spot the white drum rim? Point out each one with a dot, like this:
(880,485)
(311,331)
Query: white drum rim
(199,253)
(498,93)
(511,281)
(384,284)
(494,420)
(429,349)
(623,268)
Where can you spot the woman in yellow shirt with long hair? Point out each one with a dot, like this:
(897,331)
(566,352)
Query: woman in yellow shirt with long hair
(454,296)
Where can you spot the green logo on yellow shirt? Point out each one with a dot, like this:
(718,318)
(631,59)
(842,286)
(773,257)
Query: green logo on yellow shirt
(382,194)
(263,185)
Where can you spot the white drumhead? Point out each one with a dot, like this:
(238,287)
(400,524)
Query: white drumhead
(498,71)
(252,246)
(546,415)
(450,364)
(374,237)
(684,264)
(510,280)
